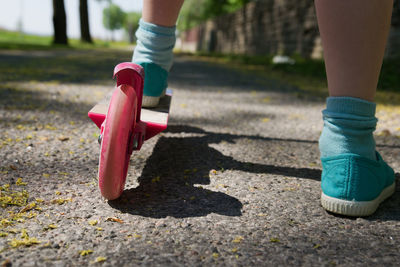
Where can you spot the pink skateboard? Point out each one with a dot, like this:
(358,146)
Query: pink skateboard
(124,126)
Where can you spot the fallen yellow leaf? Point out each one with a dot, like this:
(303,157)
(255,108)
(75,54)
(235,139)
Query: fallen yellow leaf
(114,219)
(238,239)
(19,182)
(86,252)
(93,222)
(100,259)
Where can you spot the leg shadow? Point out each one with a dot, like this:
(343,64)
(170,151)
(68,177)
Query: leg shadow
(170,183)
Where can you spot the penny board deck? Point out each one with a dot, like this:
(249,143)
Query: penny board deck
(152,116)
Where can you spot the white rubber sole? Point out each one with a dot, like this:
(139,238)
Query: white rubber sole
(151,101)
(355,208)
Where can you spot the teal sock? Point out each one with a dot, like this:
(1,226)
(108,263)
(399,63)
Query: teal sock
(349,124)
(154,45)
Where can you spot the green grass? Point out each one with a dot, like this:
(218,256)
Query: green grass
(15,40)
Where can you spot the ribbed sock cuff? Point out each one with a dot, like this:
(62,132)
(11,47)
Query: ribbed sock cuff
(154,45)
(348,127)
(350,105)
(156,29)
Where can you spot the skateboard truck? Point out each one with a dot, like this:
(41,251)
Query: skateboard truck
(150,122)
(137,138)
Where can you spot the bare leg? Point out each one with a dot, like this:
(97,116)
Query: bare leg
(355,179)
(354,34)
(155,42)
(161,12)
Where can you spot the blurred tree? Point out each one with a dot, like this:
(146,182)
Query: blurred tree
(195,12)
(113,18)
(131,24)
(59,23)
(215,8)
(191,14)
(84,18)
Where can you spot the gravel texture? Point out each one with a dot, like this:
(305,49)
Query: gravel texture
(235,180)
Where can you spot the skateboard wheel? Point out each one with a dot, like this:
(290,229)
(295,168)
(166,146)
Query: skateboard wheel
(115,140)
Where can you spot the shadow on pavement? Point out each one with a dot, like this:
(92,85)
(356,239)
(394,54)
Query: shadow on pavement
(171,179)
(204,76)
(182,161)
(198,75)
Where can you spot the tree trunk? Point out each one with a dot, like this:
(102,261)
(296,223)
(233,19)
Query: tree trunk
(84,16)
(59,22)
(131,34)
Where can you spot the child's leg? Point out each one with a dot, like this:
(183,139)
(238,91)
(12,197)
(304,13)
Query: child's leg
(354,32)
(161,12)
(155,41)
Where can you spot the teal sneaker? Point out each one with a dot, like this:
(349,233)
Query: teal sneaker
(155,84)
(355,186)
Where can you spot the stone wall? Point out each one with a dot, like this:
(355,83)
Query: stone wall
(270,27)
(393,45)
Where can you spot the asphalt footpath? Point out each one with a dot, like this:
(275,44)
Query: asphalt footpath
(233,181)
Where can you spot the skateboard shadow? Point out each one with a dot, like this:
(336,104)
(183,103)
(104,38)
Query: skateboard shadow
(182,160)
